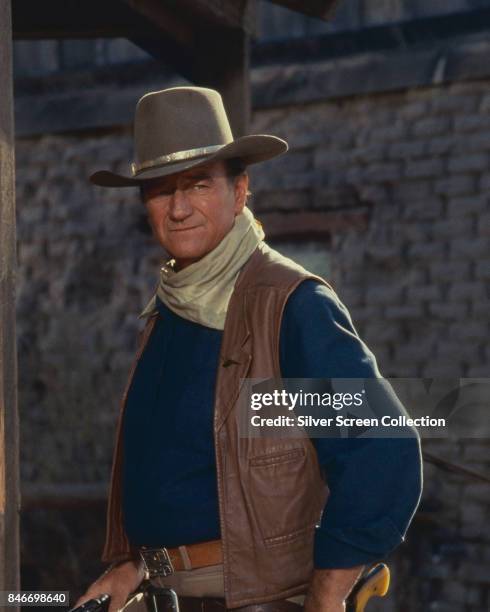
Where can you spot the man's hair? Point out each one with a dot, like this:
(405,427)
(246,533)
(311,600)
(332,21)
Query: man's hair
(235,167)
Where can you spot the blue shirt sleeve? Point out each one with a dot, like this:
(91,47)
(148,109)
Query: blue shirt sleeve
(375,483)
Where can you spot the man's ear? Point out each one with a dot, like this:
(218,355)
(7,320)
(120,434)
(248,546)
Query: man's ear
(241,190)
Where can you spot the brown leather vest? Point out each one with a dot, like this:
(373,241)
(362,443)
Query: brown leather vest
(271,492)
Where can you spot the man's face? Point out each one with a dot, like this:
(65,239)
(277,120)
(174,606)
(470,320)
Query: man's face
(190,212)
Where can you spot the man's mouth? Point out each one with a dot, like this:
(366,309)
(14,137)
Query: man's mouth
(184,229)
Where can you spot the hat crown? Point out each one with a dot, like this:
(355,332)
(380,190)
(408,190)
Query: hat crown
(179,119)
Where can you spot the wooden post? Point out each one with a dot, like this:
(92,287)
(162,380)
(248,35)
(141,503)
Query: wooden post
(9,443)
(223,62)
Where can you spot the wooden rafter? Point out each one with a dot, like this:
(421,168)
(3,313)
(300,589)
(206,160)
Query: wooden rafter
(321,9)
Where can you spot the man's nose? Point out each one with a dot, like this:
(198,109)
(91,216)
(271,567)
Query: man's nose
(180,207)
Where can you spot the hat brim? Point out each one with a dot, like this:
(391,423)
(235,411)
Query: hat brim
(250,149)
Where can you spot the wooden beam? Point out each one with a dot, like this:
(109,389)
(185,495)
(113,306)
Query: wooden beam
(322,9)
(69,19)
(225,13)
(165,18)
(9,444)
(95,19)
(127,18)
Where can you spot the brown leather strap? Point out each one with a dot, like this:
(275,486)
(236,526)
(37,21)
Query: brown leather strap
(209,604)
(197,555)
(272,606)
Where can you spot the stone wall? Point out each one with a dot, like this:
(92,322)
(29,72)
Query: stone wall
(416,278)
(409,174)
(395,185)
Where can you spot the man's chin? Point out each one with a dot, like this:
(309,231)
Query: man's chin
(184,251)
(185,258)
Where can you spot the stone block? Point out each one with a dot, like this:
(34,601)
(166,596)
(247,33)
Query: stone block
(285,171)
(467,290)
(484,184)
(408,191)
(453,103)
(468,163)
(454,591)
(327,157)
(389,133)
(35,213)
(406,352)
(374,194)
(415,231)
(383,294)
(409,311)
(383,172)
(458,184)
(472,123)
(407,149)
(485,104)
(471,248)
(343,196)
(414,110)
(473,572)
(478,371)
(484,225)
(424,293)
(479,310)
(453,227)
(426,251)
(442,370)
(449,270)
(370,152)
(424,208)
(467,205)
(450,349)
(474,142)
(355,175)
(29,173)
(424,168)
(482,269)
(431,126)
(440,145)
(468,331)
(451,310)
(270,201)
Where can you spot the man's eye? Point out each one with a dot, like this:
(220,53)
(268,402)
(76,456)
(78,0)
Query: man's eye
(200,186)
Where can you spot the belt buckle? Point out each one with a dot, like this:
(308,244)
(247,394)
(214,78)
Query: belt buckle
(156,562)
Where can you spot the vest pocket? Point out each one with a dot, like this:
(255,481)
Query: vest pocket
(285,495)
(277,458)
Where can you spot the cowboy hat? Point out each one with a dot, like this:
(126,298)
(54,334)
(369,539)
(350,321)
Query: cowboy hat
(179,128)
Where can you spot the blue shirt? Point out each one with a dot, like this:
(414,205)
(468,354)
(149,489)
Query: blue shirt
(169,471)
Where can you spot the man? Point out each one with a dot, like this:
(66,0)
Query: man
(240,519)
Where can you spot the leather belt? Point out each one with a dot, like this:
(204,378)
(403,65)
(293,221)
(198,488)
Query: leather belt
(164,561)
(208,604)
